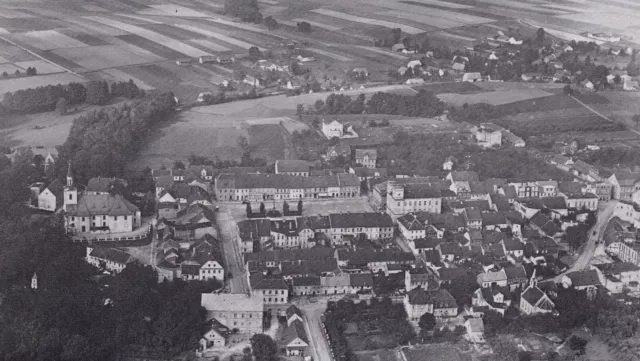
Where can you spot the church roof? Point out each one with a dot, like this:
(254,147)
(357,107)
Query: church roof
(101,204)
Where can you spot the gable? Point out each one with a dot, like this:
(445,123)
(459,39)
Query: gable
(46,193)
(297,342)
(167,198)
(212,335)
(545,304)
(211,264)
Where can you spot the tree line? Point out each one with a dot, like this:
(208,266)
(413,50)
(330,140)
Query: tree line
(45,98)
(246,10)
(423,104)
(102,142)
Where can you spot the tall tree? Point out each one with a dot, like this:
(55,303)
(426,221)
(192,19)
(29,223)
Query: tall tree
(249,211)
(61,106)
(264,348)
(262,208)
(285,208)
(300,206)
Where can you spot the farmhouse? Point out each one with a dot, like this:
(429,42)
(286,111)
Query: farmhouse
(184,61)
(295,340)
(397,47)
(51,197)
(360,72)
(225,57)
(111,259)
(215,336)
(487,136)
(337,129)
(415,81)
(261,187)
(234,310)
(472,77)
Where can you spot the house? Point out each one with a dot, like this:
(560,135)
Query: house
(38,155)
(207,59)
(472,77)
(51,198)
(305,59)
(449,163)
(513,139)
(225,57)
(567,49)
(625,273)
(582,201)
(629,84)
(534,301)
(438,302)
(252,81)
(414,63)
(272,289)
(292,167)
(215,336)
(493,56)
(98,213)
(475,330)
(459,67)
(413,197)
(235,310)
(488,136)
(360,72)
(294,314)
(588,280)
(367,157)
(402,70)
(293,84)
(587,84)
(335,151)
(184,61)
(110,259)
(561,162)
(494,298)
(295,340)
(101,185)
(337,129)
(415,81)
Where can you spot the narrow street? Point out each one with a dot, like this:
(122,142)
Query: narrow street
(320,348)
(589,248)
(232,257)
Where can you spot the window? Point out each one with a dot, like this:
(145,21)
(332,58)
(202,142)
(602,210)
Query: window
(70,196)
(115,218)
(125,218)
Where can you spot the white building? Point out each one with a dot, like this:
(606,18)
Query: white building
(235,310)
(111,259)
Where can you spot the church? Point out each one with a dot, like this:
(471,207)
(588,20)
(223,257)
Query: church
(98,212)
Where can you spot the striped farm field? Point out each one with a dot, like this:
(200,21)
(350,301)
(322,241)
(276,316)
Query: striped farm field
(244,26)
(381,51)
(46,40)
(455,36)
(41,66)
(176,45)
(101,57)
(172,31)
(95,28)
(151,46)
(139,18)
(438,22)
(10,68)
(13,84)
(179,10)
(493,98)
(209,45)
(226,39)
(388,24)
(13,14)
(329,54)
(83,37)
(445,4)
(27,24)
(319,25)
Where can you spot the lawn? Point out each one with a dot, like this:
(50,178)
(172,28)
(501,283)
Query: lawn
(494,98)
(453,87)
(270,142)
(436,352)
(378,355)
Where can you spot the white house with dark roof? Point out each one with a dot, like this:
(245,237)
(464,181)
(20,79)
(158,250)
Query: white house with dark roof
(295,340)
(214,337)
(413,197)
(292,167)
(98,213)
(51,198)
(111,259)
(293,314)
(235,310)
(272,289)
(367,157)
(438,302)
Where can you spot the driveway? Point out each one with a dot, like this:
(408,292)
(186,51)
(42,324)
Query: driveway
(232,256)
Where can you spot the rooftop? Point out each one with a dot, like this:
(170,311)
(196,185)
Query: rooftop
(111,254)
(288,166)
(231,302)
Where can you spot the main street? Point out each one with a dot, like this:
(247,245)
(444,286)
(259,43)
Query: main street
(320,348)
(588,249)
(232,257)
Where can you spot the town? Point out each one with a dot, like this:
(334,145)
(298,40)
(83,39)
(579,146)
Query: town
(272,180)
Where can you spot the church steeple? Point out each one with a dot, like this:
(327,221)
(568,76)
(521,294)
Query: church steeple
(69,176)
(34,281)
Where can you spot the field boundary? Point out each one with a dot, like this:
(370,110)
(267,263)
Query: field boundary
(600,115)
(40,57)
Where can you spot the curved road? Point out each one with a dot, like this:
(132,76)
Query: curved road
(589,248)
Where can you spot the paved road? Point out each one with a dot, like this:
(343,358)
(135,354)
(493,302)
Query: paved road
(320,349)
(589,248)
(232,256)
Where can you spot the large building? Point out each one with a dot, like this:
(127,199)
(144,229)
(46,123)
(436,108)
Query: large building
(108,258)
(292,167)
(438,302)
(488,135)
(234,310)
(98,213)
(406,198)
(367,157)
(261,187)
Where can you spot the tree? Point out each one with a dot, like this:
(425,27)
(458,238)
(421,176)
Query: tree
(4,74)
(262,208)
(243,144)
(300,111)
(178,164)
(567,90)
(285,208)
(98,92)
(264,348)
(17,73)
(427,322)
(304,27)
(61,106)
(270,22)
(426,45)
(249,211)
(300,206)
(254,52)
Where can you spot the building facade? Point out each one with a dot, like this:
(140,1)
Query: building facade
(234,310)
(403,199)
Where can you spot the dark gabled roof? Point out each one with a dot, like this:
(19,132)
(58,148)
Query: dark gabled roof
(493,218)
(366,256)
(514,273)
(104,185)
(554,202)
(361,279)
(545,224)
(411,222)
(421,190)
(285,166)
(450,248)
(473,214)
(281,255)
(163,181)
(293,310)
(372,153)
(190,268)
(260,282)
(370,172)
(450,274)
(101,204)
(440,298)
(570,187)
(309,267)
(582,196)
(360,220)
(56,188)
(313,222)
(501,202)
(428,243)
(253,229)
(617,267)
(294,331)
(584,278)
(418,296)
(512,244)
(306,281)
(533,295)
(514,217)
(464,176)
(111,254)
(218,327)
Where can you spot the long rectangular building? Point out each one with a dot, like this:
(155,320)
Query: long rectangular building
(261,187)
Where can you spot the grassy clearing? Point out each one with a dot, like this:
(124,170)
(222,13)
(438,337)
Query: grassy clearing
(440,352)
(494,98)
(269,141)
(46,40)
(13,84)
(555,102)
(102,57)
(453,87)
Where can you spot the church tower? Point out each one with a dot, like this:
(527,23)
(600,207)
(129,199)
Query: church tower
(34,281)
(70,192)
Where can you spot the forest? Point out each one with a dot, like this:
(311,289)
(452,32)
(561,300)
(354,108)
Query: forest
(423,104)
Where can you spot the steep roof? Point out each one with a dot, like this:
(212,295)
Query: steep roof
(104,185)
(361,280)
(231,302)
(464,176)
(285,166)
(367,256)
(360,220)
(260,282)
(423,190)
(111,254)
(293,310)
(514,273)
(533,295)
(493,218)
(512,244)
(293,332)
(284,181)
(281,255)
(584,278)
(56,188)
(102,204)
(372,153)
(440,298)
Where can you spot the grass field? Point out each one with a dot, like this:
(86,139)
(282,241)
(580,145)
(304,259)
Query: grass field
(269,141)
(452,87)
(13,84)
(102,57)
(493,98)
(436,352)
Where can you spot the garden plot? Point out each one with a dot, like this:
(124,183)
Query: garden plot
(118,75)
(438,22)
(319,25)
(179,10)
(178,46)
(42,67)
(226,39)
(329,54)
(381,51)
(387,24)
(493,98)
(102,57)
(47,40)
(13,84)
(209,45)
(95,28)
